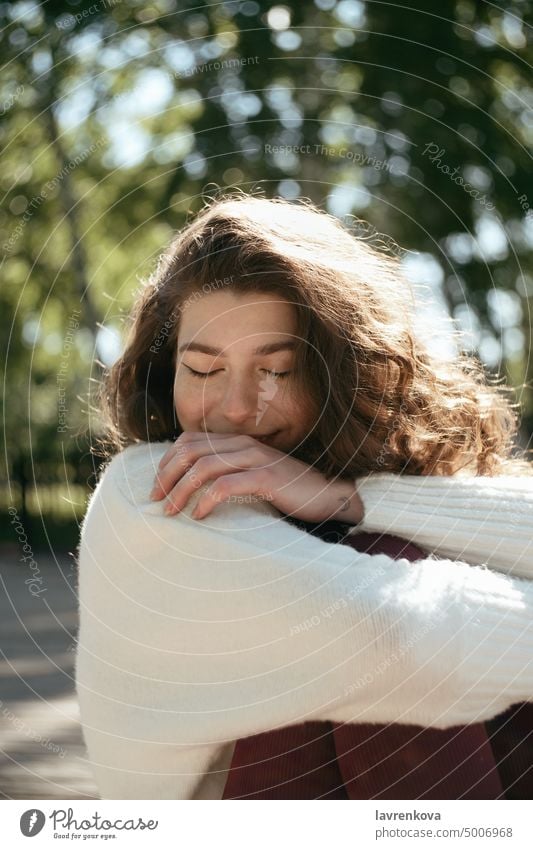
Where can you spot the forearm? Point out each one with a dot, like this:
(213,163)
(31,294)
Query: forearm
(196,634)
(482,520)
(295,618)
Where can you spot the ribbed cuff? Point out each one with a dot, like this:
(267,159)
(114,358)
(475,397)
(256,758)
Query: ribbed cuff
(480,520)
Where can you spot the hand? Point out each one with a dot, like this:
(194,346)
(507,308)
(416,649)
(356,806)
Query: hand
(241,466)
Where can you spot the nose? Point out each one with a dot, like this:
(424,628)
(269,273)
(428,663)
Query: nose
(240,401)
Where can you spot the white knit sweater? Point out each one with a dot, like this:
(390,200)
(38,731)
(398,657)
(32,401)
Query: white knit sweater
(196,633)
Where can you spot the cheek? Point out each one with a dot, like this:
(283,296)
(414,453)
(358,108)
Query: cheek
(296,407)
(191,401)
(305,410)
(184,404)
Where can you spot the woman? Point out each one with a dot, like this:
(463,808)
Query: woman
(194,635)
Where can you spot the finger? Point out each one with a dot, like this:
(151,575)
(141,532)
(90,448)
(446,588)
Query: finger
(183,439)
(249,485)
(194,438)
(206,469)
(188,456)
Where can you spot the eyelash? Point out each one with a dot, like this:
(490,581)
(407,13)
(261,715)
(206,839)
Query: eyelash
(211,373)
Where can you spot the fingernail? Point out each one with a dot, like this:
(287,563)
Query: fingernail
(170,508)
(155,492)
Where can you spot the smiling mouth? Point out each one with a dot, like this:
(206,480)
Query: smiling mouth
(260,437)
(265,437)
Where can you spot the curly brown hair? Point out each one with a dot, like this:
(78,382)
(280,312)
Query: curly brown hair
(383,402)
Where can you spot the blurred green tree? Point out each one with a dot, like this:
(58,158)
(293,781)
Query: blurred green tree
(118,117)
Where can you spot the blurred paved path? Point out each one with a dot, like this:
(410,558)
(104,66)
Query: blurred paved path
(42,755)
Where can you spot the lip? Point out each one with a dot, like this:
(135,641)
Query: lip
(264,437)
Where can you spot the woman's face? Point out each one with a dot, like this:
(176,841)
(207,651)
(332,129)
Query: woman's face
(246,343)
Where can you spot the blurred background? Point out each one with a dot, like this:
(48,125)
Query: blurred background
(411,122)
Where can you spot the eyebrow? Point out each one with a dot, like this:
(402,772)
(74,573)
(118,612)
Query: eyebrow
(270,348)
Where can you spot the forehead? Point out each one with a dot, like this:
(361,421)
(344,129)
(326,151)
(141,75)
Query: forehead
(226,317)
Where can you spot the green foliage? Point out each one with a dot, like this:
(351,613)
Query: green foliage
(110,139)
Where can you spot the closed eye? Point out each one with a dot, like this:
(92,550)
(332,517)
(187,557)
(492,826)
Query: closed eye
(211,373)
(277,373)
(202,373)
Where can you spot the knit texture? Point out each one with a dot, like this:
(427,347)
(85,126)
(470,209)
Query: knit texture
(483,520)
(194,634)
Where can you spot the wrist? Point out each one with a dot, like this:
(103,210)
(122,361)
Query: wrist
(347,505)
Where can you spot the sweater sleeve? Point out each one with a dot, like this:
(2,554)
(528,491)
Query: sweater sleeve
(193,634)
(482,520)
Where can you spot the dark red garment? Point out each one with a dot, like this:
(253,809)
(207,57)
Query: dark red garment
(511,737)
(323,760)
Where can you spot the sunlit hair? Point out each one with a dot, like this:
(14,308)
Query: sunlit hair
(381,400)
